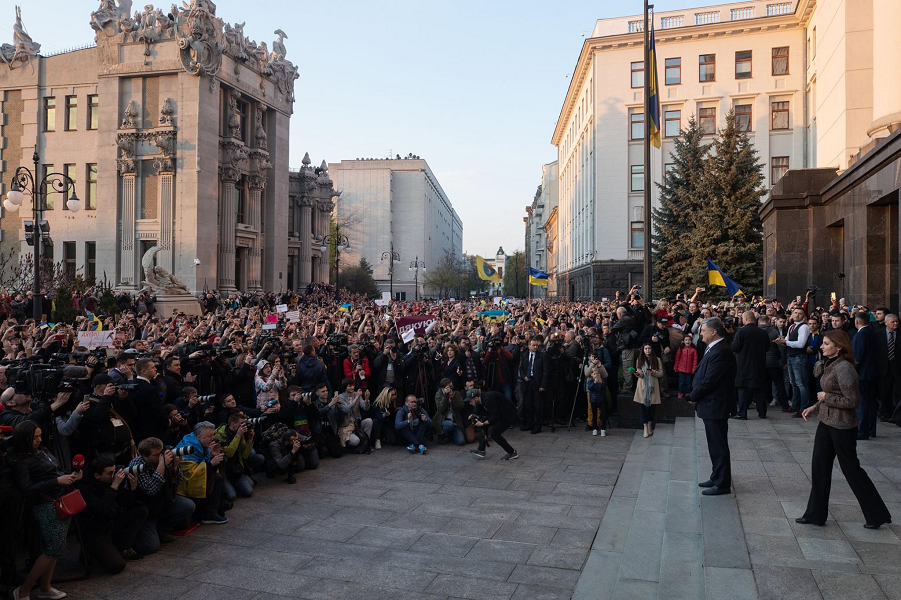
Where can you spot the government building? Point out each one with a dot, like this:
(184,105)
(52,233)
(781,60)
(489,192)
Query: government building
(799,76)
(174,128)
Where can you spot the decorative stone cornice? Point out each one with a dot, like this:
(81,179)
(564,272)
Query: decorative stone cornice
(256,182)
(235,152)
(229,175)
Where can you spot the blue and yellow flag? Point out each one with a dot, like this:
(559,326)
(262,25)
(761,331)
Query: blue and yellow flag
(486,271)
(653,94)
(345,307)
(537,277)
(771,278)
(97,324)
(716,277)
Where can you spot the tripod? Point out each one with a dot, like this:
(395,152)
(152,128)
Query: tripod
(578,385)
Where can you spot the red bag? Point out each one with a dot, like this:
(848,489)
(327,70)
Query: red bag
(68,505)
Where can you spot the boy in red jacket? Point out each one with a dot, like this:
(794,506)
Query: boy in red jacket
(685,365)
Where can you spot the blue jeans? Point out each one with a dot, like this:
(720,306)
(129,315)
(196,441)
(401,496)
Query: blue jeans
(450,429)
(685,383)
(179,512)
(414,435)
(798,377)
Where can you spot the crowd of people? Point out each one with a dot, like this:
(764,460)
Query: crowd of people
(182,415)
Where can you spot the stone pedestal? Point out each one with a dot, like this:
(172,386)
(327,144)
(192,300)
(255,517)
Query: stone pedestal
(669,408)
(187,304)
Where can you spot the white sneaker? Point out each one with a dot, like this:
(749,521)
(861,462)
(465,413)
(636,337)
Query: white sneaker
(603,433)
(378,444)
(595,432)
(52,594)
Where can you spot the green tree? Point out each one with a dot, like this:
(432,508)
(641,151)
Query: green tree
(516,275)
(63,310)
(358,280)
(108,305)
(682,194)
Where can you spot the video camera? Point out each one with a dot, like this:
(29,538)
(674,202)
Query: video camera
(40,380)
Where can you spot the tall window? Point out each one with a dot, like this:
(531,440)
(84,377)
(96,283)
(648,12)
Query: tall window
(778,167)
(707,120)
(707,68)
(672,123)
(69,171)
(636,238)
(149,193)
(91,200)
(240,200)
(49,113)
(638,74)
(780,60)
(637,184)
(49,194)
(743,117)
(90,261)
(636,126)
(743,64)
(93,110)
(780,115)
(242,116)
(69,258)
(71,113)
(673,71)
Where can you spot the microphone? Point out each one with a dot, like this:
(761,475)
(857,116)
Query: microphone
(77,462)
(5,429)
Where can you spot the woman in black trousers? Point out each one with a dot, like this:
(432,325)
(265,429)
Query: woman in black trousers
(837,437)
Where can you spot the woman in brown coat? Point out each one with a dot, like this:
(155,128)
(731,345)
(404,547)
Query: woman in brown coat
(648,371)
(837,436)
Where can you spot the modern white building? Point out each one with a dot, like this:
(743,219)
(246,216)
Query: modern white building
(395,205)
(759,58)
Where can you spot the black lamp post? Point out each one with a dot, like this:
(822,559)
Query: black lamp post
(394,257)
(341,244)
(417,264)
(23,182)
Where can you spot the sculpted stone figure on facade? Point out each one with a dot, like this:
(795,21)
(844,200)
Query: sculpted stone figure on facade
(200,39)
(130,121)
(234,37)
(234,119)
(165,143)
(23,48)
(112,19)
(259,132)
(159,281)
(166,111)
(126,161)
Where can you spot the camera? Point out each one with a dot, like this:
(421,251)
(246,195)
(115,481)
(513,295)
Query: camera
(180,452)
(127,387)
(253,421)
(135,469)
(206,399)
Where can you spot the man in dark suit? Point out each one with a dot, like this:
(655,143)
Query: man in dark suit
(889,367)
(867,365)
(750,346)
(533,370)
(152,420)
(713,390)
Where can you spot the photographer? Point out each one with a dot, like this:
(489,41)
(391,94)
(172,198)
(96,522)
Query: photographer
(387,368)
(267,383)
(412,422)
(498,369)
(236,439)
(351,404)
(419,371)
(356,367)
(501,413)
(178,425)
(310,370)
(625,331)
(449,403)
(152,420)
(286,456)
(108,423)
(19,407)
(304,417)
(108,528)
(192,408)
(201,479)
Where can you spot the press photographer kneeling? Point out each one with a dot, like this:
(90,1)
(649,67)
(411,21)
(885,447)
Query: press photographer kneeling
(501,414)
(201,480)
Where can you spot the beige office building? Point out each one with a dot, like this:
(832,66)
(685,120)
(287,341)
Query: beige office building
(799,76)
(174,127)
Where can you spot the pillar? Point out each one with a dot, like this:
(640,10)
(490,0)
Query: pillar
(886,83)
(127,249)
(305,274)
(228,195)
(254,253)
(166,243)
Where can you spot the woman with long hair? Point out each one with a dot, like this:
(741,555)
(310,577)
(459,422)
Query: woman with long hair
(382,410)
(837,437)
(41,478)
(648,371)
(451,367)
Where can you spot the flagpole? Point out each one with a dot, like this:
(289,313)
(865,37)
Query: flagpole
(648,283)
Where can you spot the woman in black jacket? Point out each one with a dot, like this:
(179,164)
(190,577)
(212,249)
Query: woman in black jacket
(41,479)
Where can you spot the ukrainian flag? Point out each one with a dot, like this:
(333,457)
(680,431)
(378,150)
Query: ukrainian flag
(486,271)
(653,94)
(771,278)
(716,277)
(345,307)
(537,277)
(98,324)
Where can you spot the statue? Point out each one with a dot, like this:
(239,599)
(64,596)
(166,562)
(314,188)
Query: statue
(200,39)
(260,131)
(166,112)
(131,115)
(234,120)
(23,48)
(157,280)
(278,46)
(234,37)
(110,18)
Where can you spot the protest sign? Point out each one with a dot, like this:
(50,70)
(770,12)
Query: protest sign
(280,308)
(419,325)
(95,339)
(293,316)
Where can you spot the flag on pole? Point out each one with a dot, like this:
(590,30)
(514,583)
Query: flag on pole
(716,277)
(97,323)
(653,94)
(486,271)
(537,277)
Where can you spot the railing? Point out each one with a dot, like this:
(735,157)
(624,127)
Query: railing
(670,22)
(737,14)
(71,49)
(783,8)
(636,254)
(707,17)
(636,26)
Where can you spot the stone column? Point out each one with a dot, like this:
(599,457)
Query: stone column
(165,257)
(323,227)
(886,83)
(257,184)
(228,196)
(127,250)
(305,274)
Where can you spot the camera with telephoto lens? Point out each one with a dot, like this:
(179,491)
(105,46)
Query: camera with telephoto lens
(135,469)
(180,452)
(253,421)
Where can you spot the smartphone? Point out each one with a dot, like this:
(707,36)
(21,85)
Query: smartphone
(702,289)
(797,298)
(59,337)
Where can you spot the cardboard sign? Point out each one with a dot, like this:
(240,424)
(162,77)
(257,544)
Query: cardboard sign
(280,308)
(386,297)
(96,339)
(497,299)
(381,302)
(418,325)
(293,316)
(269,326)
(272,318)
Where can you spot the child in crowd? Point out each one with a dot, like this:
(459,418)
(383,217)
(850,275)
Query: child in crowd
(686,363)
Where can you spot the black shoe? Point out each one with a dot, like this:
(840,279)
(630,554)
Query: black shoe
(787,410)
(512,456)
(716,491)
(479,453)
(740,418)
(291,479)
(872,526)
(129,554)
(806,521)
(167,538)
(588,427)
(707,484)
(796,415)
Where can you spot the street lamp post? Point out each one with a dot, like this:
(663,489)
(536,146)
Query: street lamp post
(341,244)
(416,265)
(24,181)
(394,257)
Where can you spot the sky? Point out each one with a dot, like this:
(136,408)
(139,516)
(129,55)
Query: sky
(474,88)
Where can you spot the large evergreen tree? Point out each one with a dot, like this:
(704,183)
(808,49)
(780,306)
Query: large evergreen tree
(682,194)
(729,230)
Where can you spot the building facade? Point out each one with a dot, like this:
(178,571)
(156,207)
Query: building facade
(174,127)
(750,57)
(395,204)
(310,205)
(535,219)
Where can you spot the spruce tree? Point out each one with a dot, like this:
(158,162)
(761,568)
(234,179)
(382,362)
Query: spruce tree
(63,311)
(728,229)
(682,194)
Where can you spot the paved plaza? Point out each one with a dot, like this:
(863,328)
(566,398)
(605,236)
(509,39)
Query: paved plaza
(576,516)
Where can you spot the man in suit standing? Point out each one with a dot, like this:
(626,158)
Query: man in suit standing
(866,359)
(713,390)
(533,372)
(750,346)
(889,367)
(152,420)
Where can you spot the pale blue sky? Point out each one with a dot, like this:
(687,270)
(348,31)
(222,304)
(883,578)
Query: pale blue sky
(474,88)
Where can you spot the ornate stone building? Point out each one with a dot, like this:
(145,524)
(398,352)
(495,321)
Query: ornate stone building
(310,206)
(174,127)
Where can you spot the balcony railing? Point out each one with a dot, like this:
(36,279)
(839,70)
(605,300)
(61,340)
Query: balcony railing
(636,26)
(670,22)
(707,17)
(782,8)
(636,254)
(737,14)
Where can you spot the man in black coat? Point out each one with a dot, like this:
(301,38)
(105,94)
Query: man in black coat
(774,363)
(750,345)
(867,365)
(501,414)
(533,370)
(152,419)
(889,352)
(713,390)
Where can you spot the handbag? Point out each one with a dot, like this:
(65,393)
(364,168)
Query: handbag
(819,366)
(68,505)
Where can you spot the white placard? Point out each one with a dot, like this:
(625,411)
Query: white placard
(293,316)
(497,299)
(96,339)
(381,302)
(603,299)
(386,296)
(280,308)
